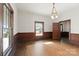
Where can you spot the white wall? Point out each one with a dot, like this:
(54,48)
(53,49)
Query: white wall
(72,14)
(15,18)
(66,26)
(26,21)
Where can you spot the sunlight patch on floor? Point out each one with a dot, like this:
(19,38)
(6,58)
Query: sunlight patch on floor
(48,43)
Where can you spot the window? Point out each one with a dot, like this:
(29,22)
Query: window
(39,28)
(6,28)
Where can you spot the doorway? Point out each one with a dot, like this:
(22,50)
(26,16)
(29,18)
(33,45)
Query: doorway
(39,30)
(65,28)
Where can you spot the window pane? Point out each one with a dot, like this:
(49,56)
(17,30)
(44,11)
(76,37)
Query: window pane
(39,29)
(5,29)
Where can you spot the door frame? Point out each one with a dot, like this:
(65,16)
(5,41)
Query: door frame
(38,37)
(69,27)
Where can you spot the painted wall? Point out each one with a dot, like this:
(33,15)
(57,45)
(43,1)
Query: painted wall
(73,15)
(66,26)
(26,22)
(15,18)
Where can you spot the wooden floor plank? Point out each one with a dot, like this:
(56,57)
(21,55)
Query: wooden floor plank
(46,48)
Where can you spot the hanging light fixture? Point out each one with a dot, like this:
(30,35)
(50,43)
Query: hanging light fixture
(54,14)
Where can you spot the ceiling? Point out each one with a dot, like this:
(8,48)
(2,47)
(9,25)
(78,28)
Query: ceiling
(45,8)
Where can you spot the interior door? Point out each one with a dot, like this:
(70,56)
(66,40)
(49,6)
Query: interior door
(1,44)
(56,31)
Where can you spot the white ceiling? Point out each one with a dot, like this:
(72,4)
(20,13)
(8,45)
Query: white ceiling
(45,8)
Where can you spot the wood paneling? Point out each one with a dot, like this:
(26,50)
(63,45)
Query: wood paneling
(47,35)
(26,36)
(30,36)
(74,38)
(65,34)
(1,13)
(56,31)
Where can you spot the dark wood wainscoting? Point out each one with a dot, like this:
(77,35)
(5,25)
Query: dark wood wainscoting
(26,36)
(65,34)
(47,35)
(74,38)
(30,36)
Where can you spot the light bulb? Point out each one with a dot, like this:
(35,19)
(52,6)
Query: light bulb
(56,16)
(52,17)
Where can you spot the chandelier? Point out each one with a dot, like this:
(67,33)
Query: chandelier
(54,14)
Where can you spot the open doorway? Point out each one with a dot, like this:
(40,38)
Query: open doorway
(39,29)
(65,28)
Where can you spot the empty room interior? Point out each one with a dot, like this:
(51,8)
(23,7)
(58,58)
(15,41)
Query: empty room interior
(39,29)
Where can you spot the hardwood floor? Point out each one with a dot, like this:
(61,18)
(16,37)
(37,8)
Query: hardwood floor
(46,48)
